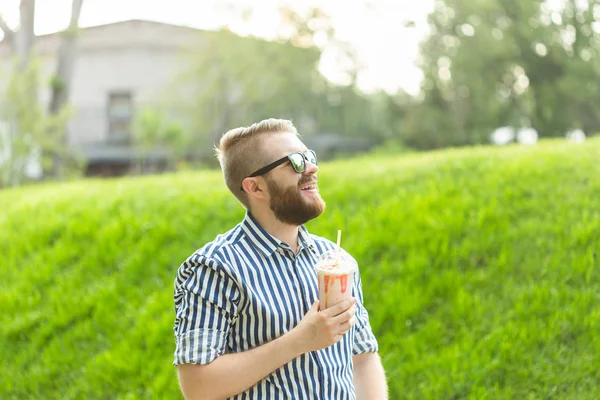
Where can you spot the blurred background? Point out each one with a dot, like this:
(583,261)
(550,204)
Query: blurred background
(461,168)
(107,88)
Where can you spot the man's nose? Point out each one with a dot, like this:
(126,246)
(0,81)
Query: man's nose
(311,168)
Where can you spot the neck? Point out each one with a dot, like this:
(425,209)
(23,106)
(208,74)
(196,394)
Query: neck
(284,232)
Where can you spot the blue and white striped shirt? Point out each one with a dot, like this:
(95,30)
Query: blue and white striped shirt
(247,288)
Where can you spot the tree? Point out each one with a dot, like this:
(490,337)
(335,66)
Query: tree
(61,81)
(49,144)
(22,40)
(525,63)
(152,131)
(237,80)
(25,127)
(19,127)
(234,81)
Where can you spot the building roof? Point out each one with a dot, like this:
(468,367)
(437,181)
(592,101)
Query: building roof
(121,34)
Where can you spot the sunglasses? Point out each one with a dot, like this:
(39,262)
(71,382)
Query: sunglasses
(297,161)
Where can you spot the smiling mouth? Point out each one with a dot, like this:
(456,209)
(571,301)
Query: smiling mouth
(309,186)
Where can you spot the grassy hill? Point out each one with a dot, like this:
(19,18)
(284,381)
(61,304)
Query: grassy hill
(480,268)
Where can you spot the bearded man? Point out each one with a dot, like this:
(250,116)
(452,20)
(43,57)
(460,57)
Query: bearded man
(248,323)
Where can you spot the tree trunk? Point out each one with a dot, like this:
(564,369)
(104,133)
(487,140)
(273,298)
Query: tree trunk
(61,82)
(9,34)
(21,40)
(25,36)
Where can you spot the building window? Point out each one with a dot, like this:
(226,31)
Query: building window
(120,115)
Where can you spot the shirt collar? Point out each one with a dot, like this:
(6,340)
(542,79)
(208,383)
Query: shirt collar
(259,237)
(305,240)
(266,242)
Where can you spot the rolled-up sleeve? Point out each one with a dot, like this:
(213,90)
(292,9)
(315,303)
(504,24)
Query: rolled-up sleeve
(364,339)
(206,299)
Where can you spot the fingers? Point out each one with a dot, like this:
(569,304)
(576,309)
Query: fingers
(346,326)
(344,317)
(314,307)
(339,308)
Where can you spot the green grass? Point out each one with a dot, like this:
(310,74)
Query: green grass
(479,266)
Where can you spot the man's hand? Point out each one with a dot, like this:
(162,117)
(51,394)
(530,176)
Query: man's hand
(321,329)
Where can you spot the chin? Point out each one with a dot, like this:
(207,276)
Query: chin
(318,211)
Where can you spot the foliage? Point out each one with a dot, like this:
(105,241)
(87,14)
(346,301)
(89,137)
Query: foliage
(479,268)
(390,148)
(154,130)
(494,63)
(27,132)
(235,81)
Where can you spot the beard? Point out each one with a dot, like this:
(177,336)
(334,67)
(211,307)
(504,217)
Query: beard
(290,206)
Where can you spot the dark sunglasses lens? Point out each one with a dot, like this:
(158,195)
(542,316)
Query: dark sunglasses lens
(312,157)
(297,162)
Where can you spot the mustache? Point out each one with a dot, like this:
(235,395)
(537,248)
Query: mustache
(309,180)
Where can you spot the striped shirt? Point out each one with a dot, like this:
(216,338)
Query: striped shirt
(247,288)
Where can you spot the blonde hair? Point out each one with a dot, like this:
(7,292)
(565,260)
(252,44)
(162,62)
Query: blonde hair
(241,152)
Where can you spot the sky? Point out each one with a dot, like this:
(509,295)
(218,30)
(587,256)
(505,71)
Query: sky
(387,49)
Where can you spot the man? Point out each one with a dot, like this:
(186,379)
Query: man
(248,324)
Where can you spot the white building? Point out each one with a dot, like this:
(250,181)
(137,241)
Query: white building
(118,66)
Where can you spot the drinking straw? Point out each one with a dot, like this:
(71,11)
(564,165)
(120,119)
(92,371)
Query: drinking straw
(339,239)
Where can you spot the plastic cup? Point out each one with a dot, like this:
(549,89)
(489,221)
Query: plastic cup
(335,270)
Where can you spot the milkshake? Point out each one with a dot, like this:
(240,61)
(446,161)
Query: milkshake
(335,270)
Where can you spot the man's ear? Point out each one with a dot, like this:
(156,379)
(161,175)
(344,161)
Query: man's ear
(253,187)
